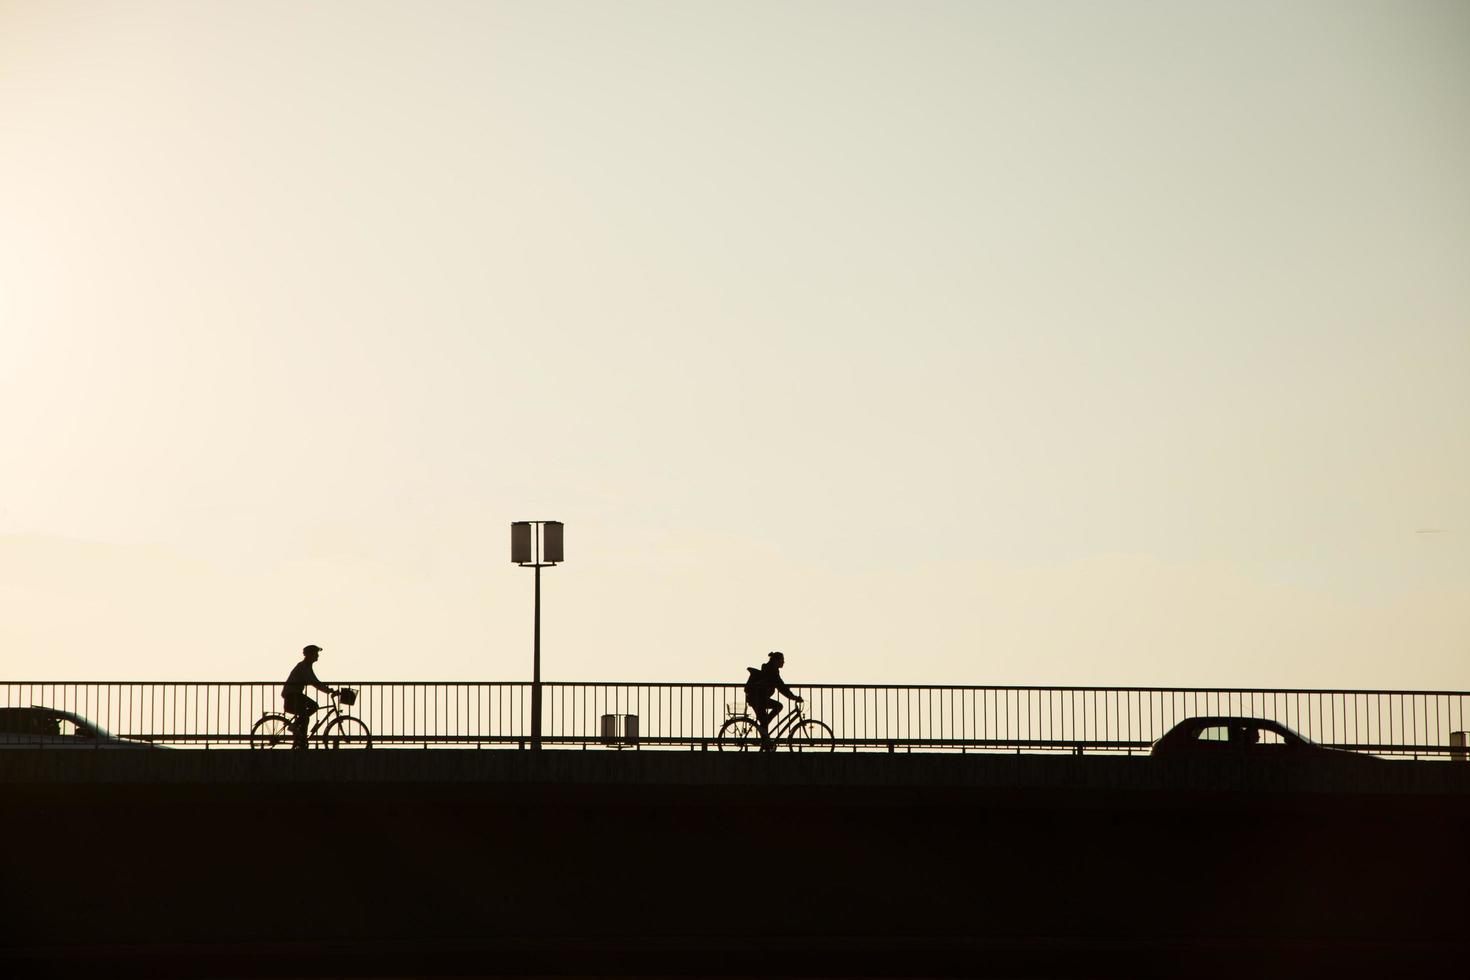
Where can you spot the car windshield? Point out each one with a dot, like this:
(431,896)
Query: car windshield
(78,727)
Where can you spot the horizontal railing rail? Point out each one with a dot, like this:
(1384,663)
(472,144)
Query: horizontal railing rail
(863,717)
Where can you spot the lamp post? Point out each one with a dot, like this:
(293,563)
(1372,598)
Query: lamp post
(539,545)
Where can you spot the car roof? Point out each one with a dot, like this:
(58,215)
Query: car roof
(35,711)
(1229,720)
(1204,721)
(41,711)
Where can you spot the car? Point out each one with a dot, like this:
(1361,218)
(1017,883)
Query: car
(1236,737)
(52,728)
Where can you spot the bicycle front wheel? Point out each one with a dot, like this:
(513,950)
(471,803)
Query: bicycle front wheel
(739,734)
(271,732)
(347,733)
(812,736)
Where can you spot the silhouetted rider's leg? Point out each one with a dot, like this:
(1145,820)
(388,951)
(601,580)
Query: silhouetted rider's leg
(298,731)
(303,708)
(765,710)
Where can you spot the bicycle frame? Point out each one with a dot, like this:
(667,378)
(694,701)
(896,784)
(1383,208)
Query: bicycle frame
(793,718)
(788,719)
(324,716)
(321,722)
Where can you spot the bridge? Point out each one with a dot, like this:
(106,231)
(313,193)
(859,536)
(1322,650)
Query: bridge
(951,831)
(689,716)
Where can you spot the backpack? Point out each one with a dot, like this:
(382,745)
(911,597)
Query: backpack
(755,684)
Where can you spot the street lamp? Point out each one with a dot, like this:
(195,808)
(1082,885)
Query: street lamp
(539,545)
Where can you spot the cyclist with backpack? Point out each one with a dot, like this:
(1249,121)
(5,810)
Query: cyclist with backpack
(760,691)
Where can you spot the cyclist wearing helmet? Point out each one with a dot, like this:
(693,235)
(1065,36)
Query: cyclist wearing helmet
(294,693)
(760,692)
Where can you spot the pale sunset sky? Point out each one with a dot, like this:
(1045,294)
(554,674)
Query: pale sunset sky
(1033,342)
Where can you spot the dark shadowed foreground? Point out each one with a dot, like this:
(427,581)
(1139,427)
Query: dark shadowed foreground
(233,863)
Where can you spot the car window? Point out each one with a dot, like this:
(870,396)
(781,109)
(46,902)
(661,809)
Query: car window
(1214,733)
(70,729)
(1270,739)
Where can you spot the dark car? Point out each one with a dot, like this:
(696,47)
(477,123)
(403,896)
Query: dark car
(51,728)
(1233,737)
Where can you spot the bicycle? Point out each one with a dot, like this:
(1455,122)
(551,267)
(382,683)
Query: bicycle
(741,732)
(335,729)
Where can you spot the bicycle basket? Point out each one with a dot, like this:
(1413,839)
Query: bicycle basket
(347,696)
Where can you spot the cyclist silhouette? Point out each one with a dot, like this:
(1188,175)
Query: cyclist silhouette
(294,694)
(760,692)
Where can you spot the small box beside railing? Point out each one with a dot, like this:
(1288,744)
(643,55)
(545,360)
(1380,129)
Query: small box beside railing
(619,730)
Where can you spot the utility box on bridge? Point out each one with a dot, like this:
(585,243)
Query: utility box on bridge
(1458,743)
(619,730)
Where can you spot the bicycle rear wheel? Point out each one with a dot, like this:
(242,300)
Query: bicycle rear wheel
(739,734)
(347,733)
(271,732)
(812,736)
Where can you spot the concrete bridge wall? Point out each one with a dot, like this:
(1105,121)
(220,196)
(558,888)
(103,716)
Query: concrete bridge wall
(403,862)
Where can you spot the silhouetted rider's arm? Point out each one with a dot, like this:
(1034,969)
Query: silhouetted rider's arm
(781,686)
(311,679)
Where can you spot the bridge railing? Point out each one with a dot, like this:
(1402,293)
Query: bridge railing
(689,715)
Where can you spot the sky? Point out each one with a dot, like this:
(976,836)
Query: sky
(972,343)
